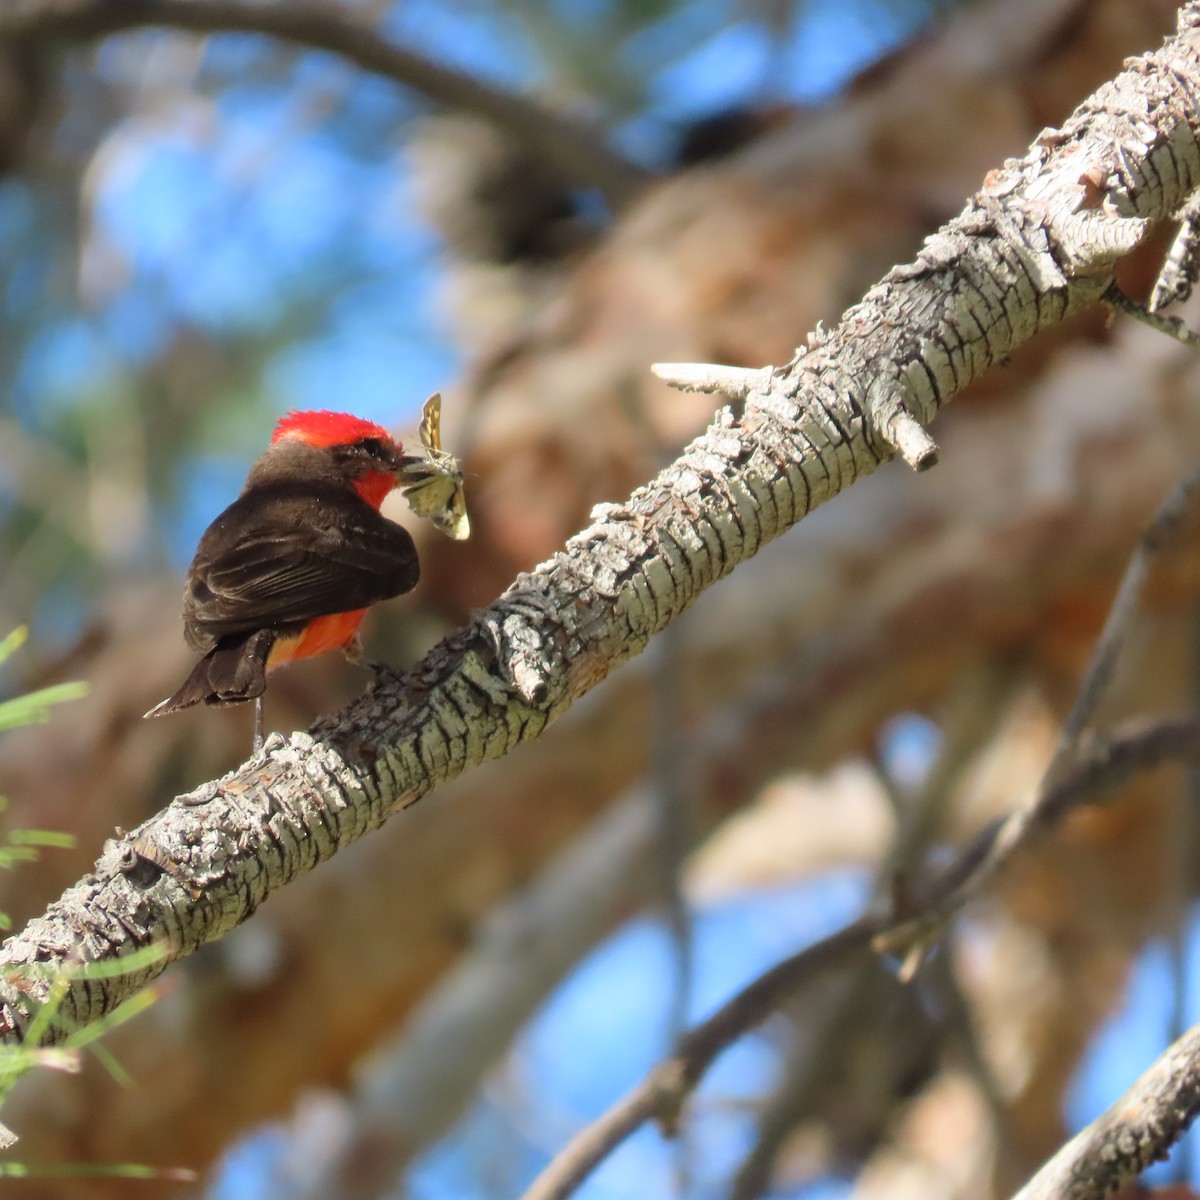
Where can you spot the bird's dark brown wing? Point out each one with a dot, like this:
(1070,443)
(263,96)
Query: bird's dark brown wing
(281,555)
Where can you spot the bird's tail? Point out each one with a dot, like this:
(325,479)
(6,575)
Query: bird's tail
(232,671)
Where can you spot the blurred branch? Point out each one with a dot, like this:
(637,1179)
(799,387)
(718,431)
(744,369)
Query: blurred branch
(578,149)
(661,1095)
(1133,746)
(982,285)
(805,1078)
(973,713)
(1097,758)
(959,1021)
(1116,626)
(411,1091)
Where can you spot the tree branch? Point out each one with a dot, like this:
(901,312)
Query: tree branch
(1134,1133)
(1133,746)
(661,1095)
(1038,244)
(1073,753)
(579,149)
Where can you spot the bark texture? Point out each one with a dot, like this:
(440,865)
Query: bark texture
(1135,1133)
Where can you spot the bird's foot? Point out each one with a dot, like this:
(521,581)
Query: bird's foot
(353,650)
(379,671)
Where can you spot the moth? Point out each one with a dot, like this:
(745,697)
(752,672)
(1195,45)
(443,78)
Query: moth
(433,485)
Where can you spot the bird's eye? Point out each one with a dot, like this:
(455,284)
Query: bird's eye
(372,448)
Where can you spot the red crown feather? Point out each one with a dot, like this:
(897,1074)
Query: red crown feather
(323,428)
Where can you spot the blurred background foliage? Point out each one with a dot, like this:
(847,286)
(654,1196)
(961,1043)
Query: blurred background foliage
(198,233)
(202,226)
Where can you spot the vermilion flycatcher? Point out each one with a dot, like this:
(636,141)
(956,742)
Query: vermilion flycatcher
(289,569)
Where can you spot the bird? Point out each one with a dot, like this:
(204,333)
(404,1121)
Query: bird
(289,569)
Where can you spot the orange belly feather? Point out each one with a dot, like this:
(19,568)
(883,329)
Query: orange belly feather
(319,636)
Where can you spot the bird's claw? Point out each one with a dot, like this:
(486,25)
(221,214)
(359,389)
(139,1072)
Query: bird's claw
(353,650)
(379,671)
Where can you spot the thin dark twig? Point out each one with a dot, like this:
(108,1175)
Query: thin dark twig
(1120,616)
(1132,747)
(1172,326)
(964,1038)
(973,713)
(660,1096)
(578,149)
(973,710)
(1107,762)
(1044,804)
(805,1077)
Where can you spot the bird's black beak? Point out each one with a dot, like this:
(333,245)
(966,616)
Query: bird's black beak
(409,468)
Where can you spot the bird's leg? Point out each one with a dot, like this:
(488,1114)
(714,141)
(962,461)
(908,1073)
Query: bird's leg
(258,724)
